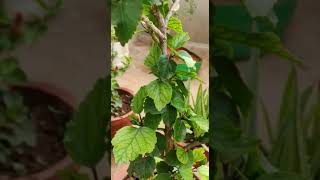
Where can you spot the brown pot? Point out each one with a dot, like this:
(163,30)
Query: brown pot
(121,121)
(51,172)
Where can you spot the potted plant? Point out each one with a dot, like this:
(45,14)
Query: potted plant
(148,144)
(121,97)
(33,115)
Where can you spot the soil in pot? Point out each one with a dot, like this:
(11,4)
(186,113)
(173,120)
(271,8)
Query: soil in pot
(126,103)
(49,115)
(121,117)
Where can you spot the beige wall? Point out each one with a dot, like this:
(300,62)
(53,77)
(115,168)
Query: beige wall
(200,18)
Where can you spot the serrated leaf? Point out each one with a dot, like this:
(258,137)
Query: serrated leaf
(178,40)
(187,58)
(163,176)
(200,123)
(186,172)
(160,92)
(149,106)
(161,142)
(138,100)
(152,121)
(203,172)
(167,68)
(153,57)
(142,168)
(198,154)
(175,24)
(179,130)
(172,159)
(169,115)
(163,167)
(125,16)
(178,100)
(130,142)
(182,155)
(266,41)
(85,134)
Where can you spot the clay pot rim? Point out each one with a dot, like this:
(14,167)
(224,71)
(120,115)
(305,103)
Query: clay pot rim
(118,118)
(68,99)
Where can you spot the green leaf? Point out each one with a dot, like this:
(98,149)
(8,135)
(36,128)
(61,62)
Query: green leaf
(182,88)
(153,57)
(228,139)
(186,172)
(203,172)
(182,155)
(142,168)
(138,100)
(267,42)
(175,24)
(199,106)
(130,142)
(179,130)
(163,176)
(169,115)
(172,159)
(10,71)
(187,58)
(149,106)
(69,174)
(281,176)
(160,92)
(178,40)
(167,68)
(178,100)
(152,121)
(200,122)
(289,152)
(125,16)
(161,142)
(198,154)
(85,134)
(163,167)
(231,78)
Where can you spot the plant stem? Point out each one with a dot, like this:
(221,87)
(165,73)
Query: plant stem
(168,135)
(94,172)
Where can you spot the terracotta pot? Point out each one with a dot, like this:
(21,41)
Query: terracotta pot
(121,121)
(49,173)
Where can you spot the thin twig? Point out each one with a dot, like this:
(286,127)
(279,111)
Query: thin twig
(163,28)
(173,7)
(152,27)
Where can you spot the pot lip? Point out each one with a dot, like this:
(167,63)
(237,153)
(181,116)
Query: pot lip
(118,118)
(51,90)
(61,164)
